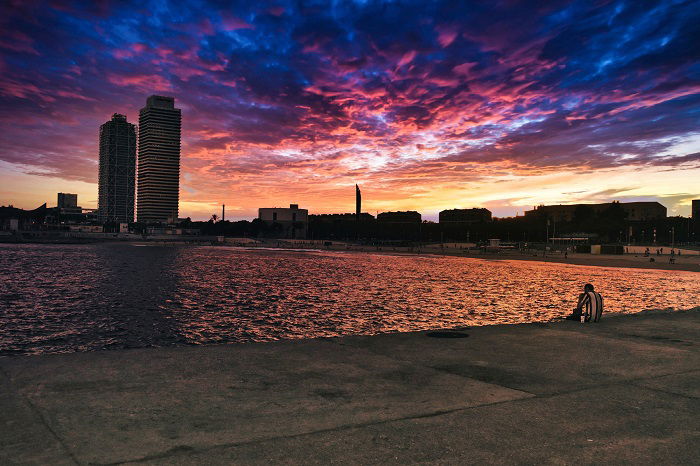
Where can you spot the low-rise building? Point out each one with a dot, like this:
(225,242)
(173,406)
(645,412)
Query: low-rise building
(86,228)
(409,216)
(283,222)
(474,215)
(636,211)
(364,216)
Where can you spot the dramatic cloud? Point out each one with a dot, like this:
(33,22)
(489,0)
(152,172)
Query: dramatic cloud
(427,105)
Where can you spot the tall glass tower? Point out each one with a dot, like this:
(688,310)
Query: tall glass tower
(117,173)
(159,161)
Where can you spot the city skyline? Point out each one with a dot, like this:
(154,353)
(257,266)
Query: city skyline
(424,106)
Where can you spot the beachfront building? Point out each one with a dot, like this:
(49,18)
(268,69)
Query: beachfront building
(283,222)
(117,172)
(409,216)
(458,216)
(67,204)
(159,161)
(66,200)
(636,211)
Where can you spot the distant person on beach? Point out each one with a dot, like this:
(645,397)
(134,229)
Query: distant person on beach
(590,305)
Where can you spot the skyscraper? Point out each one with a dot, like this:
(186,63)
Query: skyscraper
(358,203)
(159,160)
(117,173)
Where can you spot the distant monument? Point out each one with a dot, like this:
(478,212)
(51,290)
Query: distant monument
(696,209)
(358,203)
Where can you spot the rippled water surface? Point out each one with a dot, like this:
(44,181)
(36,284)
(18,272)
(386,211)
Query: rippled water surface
(56,298)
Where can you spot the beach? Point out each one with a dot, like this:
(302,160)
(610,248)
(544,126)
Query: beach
(638,261)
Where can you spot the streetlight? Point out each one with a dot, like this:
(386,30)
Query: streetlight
(673,236)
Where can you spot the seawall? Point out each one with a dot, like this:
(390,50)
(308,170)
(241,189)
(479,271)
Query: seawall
(624,390)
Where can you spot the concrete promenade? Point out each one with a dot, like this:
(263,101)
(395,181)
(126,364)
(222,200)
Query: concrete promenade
(622,391)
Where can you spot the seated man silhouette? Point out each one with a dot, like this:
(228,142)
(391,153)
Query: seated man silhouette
(590,305)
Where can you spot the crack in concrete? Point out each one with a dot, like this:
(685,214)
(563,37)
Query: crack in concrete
(37,412)
(340,428)
(667,392)
(187,449)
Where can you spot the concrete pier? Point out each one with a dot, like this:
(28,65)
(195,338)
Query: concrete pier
(622,391)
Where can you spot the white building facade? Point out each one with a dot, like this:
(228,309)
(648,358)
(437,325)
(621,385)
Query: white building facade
(285,222)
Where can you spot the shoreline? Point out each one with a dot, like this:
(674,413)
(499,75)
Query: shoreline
(687,263)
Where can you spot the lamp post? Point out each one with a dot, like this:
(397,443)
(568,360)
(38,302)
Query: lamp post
(673,237)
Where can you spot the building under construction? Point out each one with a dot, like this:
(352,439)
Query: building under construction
(117,172)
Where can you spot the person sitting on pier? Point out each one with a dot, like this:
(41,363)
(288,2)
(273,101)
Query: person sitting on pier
(590,305)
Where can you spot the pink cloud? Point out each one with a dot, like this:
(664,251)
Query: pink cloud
(18,41)
(232,23)
(276,10)
(464,68)
(142,81)
(446,35)
(407,58)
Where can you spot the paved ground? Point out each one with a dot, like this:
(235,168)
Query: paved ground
(622,391)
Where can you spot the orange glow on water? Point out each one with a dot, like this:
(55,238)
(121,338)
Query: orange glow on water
(116,295)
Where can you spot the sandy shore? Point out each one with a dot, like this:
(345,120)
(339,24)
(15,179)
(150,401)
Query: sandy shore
(691,264)
(638,261)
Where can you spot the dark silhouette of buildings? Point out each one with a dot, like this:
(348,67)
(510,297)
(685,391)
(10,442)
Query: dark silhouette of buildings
(410,216)
(159,161)
(696,209)
(67,201)
(13,218)
(464,215)
(634,211)
(67,208)
(358,203)
(117,172)
(340,217)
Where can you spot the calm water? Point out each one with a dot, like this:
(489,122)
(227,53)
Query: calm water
(58,298)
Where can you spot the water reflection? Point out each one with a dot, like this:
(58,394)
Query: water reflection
(85,297)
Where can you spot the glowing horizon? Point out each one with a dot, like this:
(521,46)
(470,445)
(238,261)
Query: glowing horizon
(426,107)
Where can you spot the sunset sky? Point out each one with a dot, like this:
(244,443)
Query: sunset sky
(426,105)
